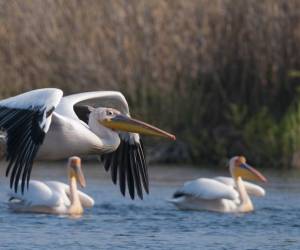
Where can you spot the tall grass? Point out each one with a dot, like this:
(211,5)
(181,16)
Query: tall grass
(216,72)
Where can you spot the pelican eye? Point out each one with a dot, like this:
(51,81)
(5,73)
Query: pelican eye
(109,112)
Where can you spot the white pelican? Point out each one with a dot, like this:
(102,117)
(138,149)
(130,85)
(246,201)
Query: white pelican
(221,194)
(41,124)
(54,197)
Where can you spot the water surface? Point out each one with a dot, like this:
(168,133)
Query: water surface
(119,223)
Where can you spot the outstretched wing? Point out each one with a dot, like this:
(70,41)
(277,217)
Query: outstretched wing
(26,119)
(70,103)
(127,164)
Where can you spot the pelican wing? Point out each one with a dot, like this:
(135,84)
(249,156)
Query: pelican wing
(38,194)
(208,189)
(112,99)
(252,189)
(26,119)
(127,164)
(86,200)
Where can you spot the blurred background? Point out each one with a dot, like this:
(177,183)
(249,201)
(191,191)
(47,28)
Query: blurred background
(222,75)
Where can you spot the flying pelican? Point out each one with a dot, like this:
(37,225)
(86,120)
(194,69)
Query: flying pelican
(221,194)
(42,124)
(54,197)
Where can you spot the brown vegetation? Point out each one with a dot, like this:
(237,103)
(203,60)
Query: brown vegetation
(214,72)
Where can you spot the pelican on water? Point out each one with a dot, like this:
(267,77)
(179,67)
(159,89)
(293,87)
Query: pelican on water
(54,197)
(42,124)
(222,194)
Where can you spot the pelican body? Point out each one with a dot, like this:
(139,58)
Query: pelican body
(221,194)
(43,124)
(54,197)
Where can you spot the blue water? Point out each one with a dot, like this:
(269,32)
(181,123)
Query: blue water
(119,223)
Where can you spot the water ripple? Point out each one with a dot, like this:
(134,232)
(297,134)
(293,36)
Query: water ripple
(119,223)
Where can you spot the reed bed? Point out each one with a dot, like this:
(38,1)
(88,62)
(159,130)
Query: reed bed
(222,75)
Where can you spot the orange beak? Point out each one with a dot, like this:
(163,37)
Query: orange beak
(247,172)
(124,123)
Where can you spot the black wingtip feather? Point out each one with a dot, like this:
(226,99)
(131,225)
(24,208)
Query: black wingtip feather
(122,168)
(108,159)
(136,176)
(178,194)
(24,137)
(143,170)
(129,174)
(114,169)
(15,176)
(128,165)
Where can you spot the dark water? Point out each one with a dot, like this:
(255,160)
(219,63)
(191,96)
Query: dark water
(119,223)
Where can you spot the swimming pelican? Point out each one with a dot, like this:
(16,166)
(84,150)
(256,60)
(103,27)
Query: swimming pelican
(54,197)
(221,194)
(42,124)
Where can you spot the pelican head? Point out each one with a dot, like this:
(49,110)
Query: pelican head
(114,120)
(75,171)
(239,168)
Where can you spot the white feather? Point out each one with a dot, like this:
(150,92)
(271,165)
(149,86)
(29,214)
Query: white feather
(86,200)
(33,99)
(96,98)
(51,194)
(252,189)
(208,189)
(38,194)
(41,99)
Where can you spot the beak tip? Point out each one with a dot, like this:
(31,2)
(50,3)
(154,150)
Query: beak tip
(173,137)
